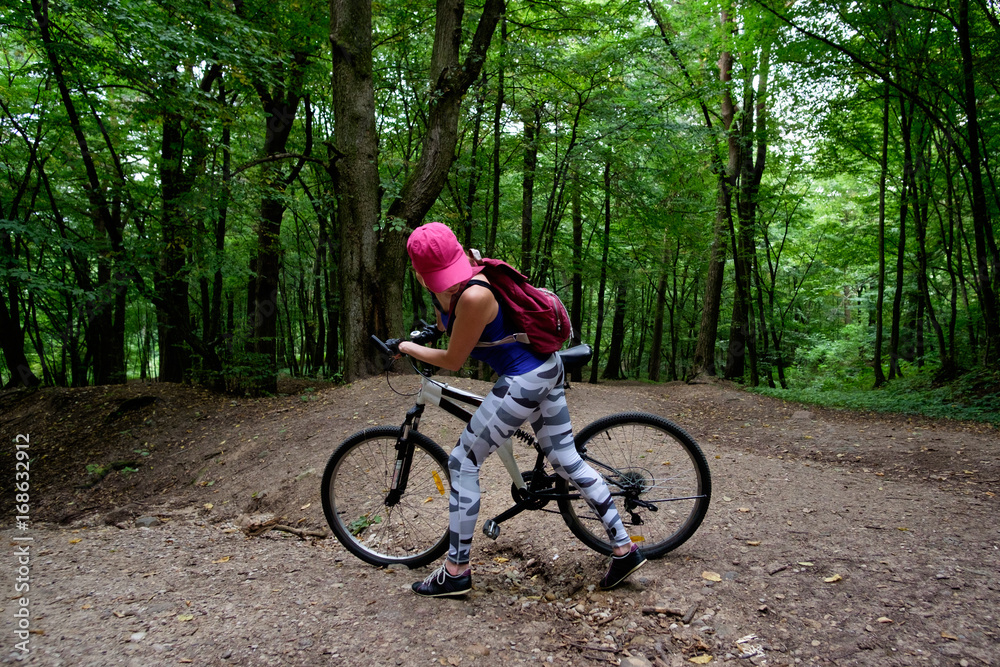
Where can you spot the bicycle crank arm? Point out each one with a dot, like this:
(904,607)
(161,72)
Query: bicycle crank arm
(491,528)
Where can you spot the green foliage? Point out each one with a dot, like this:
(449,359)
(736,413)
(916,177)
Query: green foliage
(607,89)
(825,363)
(363,523)
(973,397)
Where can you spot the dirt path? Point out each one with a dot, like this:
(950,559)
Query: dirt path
(837,538)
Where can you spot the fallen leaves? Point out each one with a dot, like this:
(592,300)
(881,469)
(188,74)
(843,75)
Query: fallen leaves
(834,579)
(708,575)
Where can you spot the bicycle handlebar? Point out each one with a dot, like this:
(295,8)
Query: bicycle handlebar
(390,347)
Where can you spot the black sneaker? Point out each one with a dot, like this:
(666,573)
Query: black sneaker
(441,584)
(622,567)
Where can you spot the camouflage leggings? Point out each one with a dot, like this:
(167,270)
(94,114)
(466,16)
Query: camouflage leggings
(537,397)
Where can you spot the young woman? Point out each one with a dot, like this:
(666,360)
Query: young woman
(530,389)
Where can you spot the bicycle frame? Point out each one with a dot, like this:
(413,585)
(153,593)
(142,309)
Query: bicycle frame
(450,399)
(527,495)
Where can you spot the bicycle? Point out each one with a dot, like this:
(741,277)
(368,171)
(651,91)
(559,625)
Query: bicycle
(385,489)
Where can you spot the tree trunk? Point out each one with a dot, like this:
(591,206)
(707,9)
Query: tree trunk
(356,182)
(595,362)
(475,172)
(952,265)
(704,355)
(987,255)
(280,108)
(708,329)
(656,348)
(752,134)
(897,302)
(12,343)
(576,306)
(531,127)
(11,331)
(175,236)
(491,238)
(104,332)
(372,293)
(613,369)
(923,190)
(880,298)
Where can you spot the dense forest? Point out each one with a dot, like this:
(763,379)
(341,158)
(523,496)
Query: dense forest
(776,193)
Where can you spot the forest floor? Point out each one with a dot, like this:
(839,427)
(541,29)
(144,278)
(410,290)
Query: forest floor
(833,538)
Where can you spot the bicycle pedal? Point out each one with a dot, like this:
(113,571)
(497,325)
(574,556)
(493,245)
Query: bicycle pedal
(491,529)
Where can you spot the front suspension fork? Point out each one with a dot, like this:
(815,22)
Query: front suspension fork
(404,456)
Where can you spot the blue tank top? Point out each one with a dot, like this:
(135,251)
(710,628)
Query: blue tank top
(512,358)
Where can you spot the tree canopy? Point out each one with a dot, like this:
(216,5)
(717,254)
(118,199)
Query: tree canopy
(781,194)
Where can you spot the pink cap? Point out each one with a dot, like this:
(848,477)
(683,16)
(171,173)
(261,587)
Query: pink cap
(438,257)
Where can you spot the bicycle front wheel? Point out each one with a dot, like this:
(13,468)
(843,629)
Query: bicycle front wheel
(411,532)
(657,474)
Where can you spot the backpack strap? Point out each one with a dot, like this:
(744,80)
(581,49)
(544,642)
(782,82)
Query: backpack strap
(512,338)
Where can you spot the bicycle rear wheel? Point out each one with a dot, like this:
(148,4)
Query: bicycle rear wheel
(411,532)
(648,462)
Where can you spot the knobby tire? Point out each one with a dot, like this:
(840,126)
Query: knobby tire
(661,463)
(356,481)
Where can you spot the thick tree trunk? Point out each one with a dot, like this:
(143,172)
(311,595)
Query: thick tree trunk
(708,329)
(280,109)
(372,293)
(175,237)
(704,355)
(754,143)
(356,182)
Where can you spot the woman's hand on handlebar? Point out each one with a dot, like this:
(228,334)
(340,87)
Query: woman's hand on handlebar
(427,335)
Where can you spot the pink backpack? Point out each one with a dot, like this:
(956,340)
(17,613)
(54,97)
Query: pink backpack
(537,312)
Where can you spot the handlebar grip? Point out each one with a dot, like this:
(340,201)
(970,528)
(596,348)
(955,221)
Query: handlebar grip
(389,348)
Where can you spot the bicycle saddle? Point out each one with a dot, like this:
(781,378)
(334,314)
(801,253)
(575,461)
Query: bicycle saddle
(576,357)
